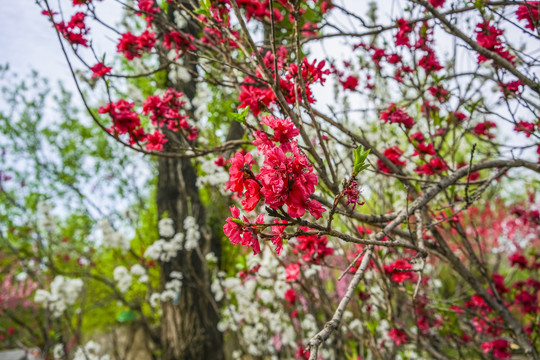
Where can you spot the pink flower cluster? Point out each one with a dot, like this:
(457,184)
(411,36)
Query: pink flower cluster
(482,129)
(166,111)
(312,247)
(395,115)
(285,178)
(180,41)
(74,31)
(529,12)
(258,95)
(394,155)
(436,165)
(99,70)
(242,233)
(400,270)
(163,111)
(134,46)
(488,36)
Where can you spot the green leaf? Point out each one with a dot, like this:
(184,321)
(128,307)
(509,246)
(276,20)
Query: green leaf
(204,9)
(360,156)
(126,316)
(240,116)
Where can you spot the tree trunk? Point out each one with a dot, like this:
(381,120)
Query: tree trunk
(189,323)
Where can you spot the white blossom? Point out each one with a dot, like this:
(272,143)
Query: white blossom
(63,293)
(140,272)
(45,218)
(111,238)
(180,19)
(154,300)
(166,227)
(123,278)
(203,95)
(211,258)
(90,351)
(192,233)
(176,275)
(58,351)
(214,176)
(165,250)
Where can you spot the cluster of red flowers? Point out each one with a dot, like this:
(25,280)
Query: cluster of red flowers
(166,111)
(429,62)
(393,154)
(74,31)
(285,178)
(239,232)
(292,271)
(125,120)
(439,93)
(488,36)
(529,12)
(483,129)
(163,111)
(312,247)
(394,115)
(512,87)
(400,270)
(397,336)
(147,8)
(259,10)
(257,95)
(423,148)
(134,46)
(437,3)
(436,165)
(100,70)
(350,83)
(180,41)
(526,127)
(402,36)
(500,348)
(352,193)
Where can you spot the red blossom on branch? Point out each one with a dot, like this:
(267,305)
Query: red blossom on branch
(437,3)
(74,31)
(155,141)
(429,62)
(238,175)
(99,70)
(180,41)
(483,129)
(500,348)
(399,270)
(397,336)
(402,36)
(393,154)
(132,46)
(397,116)
(350,83)
(240,232)
(526,127)
(529,12)
(488,36)
(352,193)
(435,165)
(312,248)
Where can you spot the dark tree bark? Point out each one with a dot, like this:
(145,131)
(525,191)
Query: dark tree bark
(189,324)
